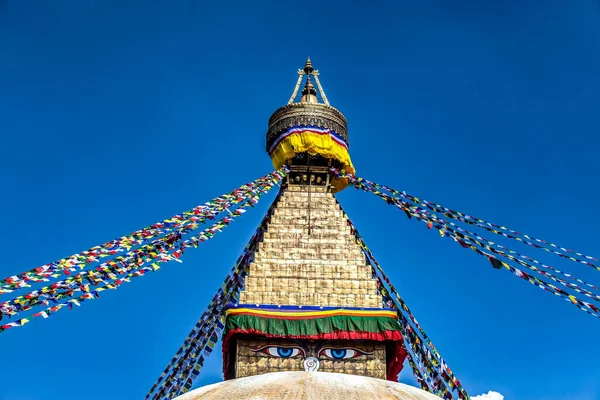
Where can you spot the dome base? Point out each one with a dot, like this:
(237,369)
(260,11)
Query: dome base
(308,386)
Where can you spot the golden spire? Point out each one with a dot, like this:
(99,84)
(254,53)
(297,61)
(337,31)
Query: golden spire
(307,127)
(309,93)
(308,68)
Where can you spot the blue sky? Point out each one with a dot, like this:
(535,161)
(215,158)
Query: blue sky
(116,115)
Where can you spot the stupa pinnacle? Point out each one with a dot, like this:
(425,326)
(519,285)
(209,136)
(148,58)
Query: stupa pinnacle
(310,135)
(310,301)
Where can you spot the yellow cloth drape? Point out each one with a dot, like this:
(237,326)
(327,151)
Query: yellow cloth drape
(313,143)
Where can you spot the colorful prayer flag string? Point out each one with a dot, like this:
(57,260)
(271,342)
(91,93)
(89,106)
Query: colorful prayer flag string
(468,242)
(192,365)
(438,366)
(243,266)
(136,272)
(106,272)
(189,358)
(119,265)
(460,235)
(251,248)
(465,218)
(195,215)
(465,240)
(411,210)
(161,256)
(424,369)
(417,372)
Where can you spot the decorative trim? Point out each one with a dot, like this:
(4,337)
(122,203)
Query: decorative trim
(307,114)
(297,130)
(309,308)
(311,314)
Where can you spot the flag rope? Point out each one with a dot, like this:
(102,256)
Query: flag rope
(189,354)
(406,319)
(137,269)
(466,241)
(470,220)
(197,214)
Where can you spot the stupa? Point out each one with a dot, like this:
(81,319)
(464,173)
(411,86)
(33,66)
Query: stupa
(311,317)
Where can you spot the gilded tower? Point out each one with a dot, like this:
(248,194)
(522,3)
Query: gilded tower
(310,301)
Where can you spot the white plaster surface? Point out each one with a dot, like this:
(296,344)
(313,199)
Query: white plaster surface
(308,386)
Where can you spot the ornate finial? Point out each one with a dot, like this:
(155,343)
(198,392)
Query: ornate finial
(303,118)
(308,67)
(309,93)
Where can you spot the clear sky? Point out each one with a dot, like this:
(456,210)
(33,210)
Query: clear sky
(118,114)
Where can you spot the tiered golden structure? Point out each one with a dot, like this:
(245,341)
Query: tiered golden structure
(309,133)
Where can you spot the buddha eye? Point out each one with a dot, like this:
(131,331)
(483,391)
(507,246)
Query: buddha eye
(280,351)
(341,353)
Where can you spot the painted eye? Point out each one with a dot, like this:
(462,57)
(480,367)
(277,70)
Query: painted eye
(341,353)
(283,352)
(280,351)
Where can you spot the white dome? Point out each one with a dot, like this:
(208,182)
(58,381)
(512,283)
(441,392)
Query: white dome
(306,386)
